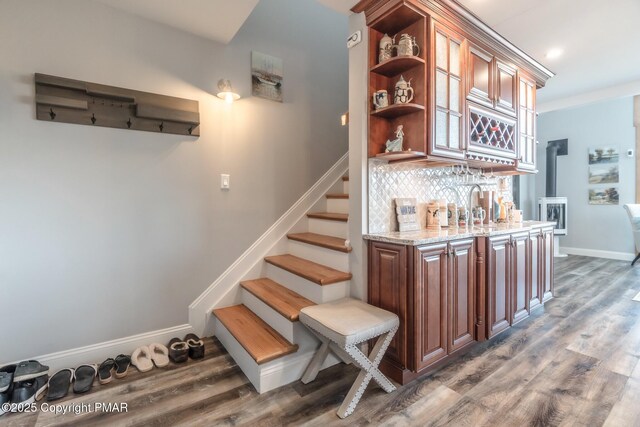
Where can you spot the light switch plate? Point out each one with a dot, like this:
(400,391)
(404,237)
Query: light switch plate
(225,181)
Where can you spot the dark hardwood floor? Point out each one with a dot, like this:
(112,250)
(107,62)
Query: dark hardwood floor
(573,363)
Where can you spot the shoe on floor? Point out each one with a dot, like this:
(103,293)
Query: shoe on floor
(141,359)
(159,354)
(28,370)
(178,350)
(122,365)
(59,384)
(6,377)
(105,371)
(196,346)
(29,391)
(5,397)
(84,375)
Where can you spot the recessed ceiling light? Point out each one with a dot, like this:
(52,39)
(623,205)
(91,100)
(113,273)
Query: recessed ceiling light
(554,53)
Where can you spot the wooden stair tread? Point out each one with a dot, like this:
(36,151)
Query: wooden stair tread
(337,196)
(330,216)
(345,178)
(281,299)
(329,242)
(317,273)
(260,340)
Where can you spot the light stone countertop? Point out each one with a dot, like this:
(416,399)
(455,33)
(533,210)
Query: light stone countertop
(423,237)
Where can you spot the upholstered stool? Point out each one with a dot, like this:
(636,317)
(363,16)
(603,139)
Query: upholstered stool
(342,325)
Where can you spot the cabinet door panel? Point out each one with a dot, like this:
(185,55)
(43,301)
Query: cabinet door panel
(519,288)
(547,269)
(534,269)
(431,304)
(505,89)
(388,290)
(498,281)
(526,125)
(462,295)
(480,76)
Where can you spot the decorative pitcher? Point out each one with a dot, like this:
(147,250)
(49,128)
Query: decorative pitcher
(380,99)
(407,46)
(386,48)
(404,92)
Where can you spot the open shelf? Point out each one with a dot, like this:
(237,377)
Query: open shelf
(397,110)
(397,65)
(400,155)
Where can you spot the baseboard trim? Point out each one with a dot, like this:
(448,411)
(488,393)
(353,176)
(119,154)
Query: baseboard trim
(96,353)
(622,256)
(200,310)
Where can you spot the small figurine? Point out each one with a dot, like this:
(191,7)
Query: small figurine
(396,144)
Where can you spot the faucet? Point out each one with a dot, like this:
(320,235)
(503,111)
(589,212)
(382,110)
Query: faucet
(473,187)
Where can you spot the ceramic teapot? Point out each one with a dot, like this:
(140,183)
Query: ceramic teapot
(386,48)
(407,46)
(404,91)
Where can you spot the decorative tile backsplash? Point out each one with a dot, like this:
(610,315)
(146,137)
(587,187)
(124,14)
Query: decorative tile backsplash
(390,181)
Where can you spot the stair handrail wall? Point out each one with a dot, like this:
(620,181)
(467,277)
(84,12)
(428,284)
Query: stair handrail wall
(200,309)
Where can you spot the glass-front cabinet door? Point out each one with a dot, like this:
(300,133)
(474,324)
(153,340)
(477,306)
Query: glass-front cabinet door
(448,91)
(526,124)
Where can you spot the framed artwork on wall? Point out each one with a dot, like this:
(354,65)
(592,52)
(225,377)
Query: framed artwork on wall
(604,154)
(604,174)
(266,76)
(604,196)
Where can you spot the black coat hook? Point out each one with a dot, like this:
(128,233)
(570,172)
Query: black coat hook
(161,127)
(190,130)
(129,123)
(52,114)
(93,119)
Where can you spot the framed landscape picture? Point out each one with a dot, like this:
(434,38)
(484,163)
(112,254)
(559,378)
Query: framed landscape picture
(603,155)
(266,76)
(604,196)
(604,174)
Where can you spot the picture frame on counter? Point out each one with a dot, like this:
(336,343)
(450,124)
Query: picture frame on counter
(407,214)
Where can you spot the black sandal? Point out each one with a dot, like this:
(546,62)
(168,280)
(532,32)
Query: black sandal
(105,371)
(196,346)
(59,384)
(122,365)
(85,375)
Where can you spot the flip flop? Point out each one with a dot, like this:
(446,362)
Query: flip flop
(141,359)
(84,376)
(59,384)
(196,346)
(178,350)
(159,355)
(122,365)
(105,371)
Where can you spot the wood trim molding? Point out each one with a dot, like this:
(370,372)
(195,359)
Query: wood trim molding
(636,123)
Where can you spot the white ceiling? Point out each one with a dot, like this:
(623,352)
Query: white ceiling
(217,20)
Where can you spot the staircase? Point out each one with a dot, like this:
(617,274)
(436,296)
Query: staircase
(263,334)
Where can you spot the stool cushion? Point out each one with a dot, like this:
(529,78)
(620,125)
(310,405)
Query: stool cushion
(348,321)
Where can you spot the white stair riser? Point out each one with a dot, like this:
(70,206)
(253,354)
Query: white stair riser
(310,290)
(282,325)
(330,228)
(329,257)
(345,187)
(338,205)
(276,373)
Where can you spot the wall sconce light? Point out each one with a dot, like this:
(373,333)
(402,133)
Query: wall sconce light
(226,91)
(344,119)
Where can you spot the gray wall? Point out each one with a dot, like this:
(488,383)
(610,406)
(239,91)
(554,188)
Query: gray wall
(599,228)
(107,233)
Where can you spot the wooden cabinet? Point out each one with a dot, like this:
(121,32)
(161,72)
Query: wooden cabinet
(508,281)
(448,89)
(547,290)
(527,125)
(431,304)
(535,264)
(506,89)
(389,289)
(519,276)
(480,76)
(498,284)
(432,289)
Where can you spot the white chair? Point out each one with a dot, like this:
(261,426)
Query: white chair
(342,325)
(634,217)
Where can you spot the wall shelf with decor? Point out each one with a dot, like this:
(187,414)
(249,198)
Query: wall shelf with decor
(397,84)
